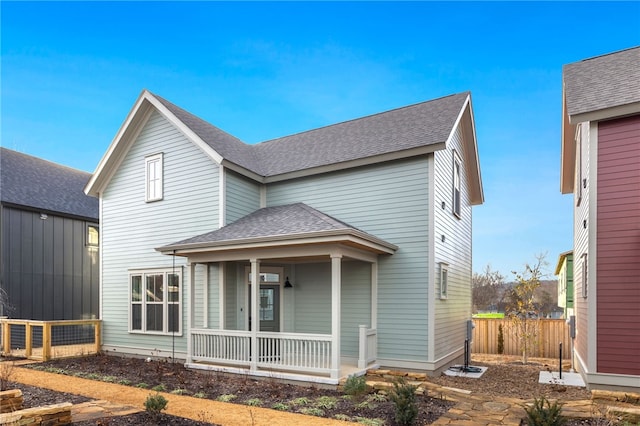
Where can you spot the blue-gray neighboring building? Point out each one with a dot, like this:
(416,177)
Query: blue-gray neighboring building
(49,240)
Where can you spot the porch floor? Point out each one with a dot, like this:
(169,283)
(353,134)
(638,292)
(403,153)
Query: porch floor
(346,370)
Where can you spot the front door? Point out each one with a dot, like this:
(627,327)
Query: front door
(269,307)
(268,301)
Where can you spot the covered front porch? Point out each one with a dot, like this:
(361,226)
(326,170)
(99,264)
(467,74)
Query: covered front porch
(314,295)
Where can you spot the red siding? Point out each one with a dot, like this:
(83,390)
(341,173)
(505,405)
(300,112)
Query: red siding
(618,246)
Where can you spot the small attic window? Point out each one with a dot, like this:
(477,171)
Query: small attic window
(93,235)
(153,177)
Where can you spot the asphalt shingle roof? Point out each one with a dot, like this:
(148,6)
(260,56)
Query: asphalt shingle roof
(32,182)
(413,126)
(273,222)
(602,82)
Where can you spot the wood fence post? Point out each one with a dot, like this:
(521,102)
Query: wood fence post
(6,337)
(97,335)
(46,341)
(28,339)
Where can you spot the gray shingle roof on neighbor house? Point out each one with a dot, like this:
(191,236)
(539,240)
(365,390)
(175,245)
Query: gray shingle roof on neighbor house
(39,184)
(602,82)
(413,126)
(272,222)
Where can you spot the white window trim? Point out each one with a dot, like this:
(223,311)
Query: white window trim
(158,181)
(165,301)
(457,178)
(444,278)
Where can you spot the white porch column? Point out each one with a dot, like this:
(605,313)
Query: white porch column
(336,284)
(254,319)
(190,302)
(205,296)
(221,295)
(374,295)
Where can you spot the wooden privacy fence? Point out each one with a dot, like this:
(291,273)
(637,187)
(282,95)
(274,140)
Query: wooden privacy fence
(546,345)
(44,340)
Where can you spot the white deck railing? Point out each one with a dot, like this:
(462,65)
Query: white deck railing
(307,353)
(368,352)
(225,346)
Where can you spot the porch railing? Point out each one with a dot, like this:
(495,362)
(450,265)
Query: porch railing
(368,346)
(310,353)
(226,346)
(44,340)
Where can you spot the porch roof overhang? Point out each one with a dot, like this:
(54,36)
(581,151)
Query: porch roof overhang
(292,231)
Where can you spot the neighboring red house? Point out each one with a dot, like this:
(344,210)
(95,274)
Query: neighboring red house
(601,167)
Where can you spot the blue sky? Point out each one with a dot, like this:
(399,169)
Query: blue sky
(70,72)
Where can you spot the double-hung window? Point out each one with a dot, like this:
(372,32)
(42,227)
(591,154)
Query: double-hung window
(155,301)
(456,184)
(153,176)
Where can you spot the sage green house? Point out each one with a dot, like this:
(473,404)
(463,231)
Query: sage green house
(564,272)
(308,257)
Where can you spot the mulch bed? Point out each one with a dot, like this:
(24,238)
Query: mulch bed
(268,393)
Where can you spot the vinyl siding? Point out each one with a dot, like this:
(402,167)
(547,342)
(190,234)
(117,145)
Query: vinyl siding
(212,292)
(48,271)
(618,233)
(452,313)
(133,228)
(390,201)
(355,303)
(242,196)
(313,298)
(581,237)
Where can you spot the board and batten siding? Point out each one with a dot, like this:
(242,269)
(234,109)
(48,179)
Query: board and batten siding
(618,234)
(133,228)
(391,201)
(49,273)
(581,242)
(242,196)
(451,314)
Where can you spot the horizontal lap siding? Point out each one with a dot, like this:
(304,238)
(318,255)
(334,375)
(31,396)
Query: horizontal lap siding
(390,201)
(313,298)
(132,228)
(453,312)
(580,247)
(618,246)
(355,304)
(242,196)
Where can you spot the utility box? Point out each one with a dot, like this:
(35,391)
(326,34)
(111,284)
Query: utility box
(470,327)
(572,326)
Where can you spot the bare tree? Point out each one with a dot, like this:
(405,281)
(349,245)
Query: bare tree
(486,288)
(523,312)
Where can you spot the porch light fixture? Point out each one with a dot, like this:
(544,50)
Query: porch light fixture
(287,283)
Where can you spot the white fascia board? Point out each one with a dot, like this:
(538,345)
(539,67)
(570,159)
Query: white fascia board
(472,162)
(128,133)
(567,152)
(110,161)
(189,134)
(407,153)
(606,113)
(336,237)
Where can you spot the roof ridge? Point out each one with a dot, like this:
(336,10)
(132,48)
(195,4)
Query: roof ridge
(325,217)
(52,163)
(605,55)
(364,117)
